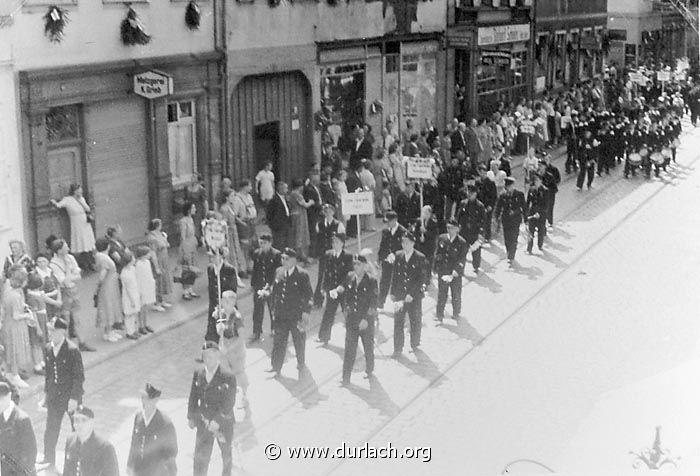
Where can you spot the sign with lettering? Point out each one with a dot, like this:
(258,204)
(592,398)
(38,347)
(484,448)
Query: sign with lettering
(215,233)
(493,35)
(663,76)
(153,84)
(358,203)
(419,168)
(638,78)
(527,127)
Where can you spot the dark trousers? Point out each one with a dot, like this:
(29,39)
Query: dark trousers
(551,198)
(313,235)
(415,314)
(54,418)
(385,282)
(510,238)
(318,294)
(570,155)
(455,289)
(280,238)
(586,170)
(539,225)
(476,254)
(629,168)
(204,444)
(211,334)
(324,332)
(352,335)
(279,346)
(259,313)
(487,225)
(604,161)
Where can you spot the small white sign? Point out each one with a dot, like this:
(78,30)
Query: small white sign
(295,124)
(358,203)
(638,78)
(663,76)
(215,233)
(527,127)
(153,84)
(419,168)
(540,83)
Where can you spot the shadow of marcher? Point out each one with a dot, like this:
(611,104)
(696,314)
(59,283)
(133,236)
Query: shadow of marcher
(376,397)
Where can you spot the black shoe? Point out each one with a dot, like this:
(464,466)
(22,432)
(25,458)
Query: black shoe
(85,348)
(134,336)
(149,329)
(143,331)
(118,326)
(439,318)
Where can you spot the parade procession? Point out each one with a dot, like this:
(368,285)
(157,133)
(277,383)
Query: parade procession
(473,219)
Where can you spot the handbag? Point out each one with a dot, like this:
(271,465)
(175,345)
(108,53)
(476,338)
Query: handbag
(90,217)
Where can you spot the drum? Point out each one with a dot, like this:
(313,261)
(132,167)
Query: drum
(666,152)
(643,151)
(635,159)
(658,158)
(675,143)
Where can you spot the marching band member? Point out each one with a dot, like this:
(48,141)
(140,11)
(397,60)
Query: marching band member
(536,213)
(448,264)
(338,265)
(510,210)
(588,157)
(266,261)
(471,217)
(388,246)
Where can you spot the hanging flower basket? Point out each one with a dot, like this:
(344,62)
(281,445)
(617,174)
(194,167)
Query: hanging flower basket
(54,22)
(192,15)
(133,31)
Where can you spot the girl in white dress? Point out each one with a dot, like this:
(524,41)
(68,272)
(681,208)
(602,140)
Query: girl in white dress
(147,287)
(131,302)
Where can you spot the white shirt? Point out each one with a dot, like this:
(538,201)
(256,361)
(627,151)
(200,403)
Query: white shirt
(393,230)
(146,419)
(56,348)
(210,375)
(8,411)
(408,255)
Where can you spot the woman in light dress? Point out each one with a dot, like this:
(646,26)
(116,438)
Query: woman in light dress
(147,287)
(188,251)
(109,308)
(82,237)
(131,302)
(300,221)
(158,242)
(16,319)
(228,212)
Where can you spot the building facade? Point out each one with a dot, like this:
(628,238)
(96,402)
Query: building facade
(489,54)
(570,43)
(79,117)
(302,74)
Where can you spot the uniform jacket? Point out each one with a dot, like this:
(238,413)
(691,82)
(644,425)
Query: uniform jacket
(408,208)
(291,294)
(327,193)
(229,282)
(425,240)
(64,374)
(537,201)
(551,178)
(390,243)
(277,217)
(510,208)
(17,445)
(410,277)
(213,400)
(325,233)
(360,298)
(471,217)
(487,193)
(336,270)
(153,447)
(450,255)
(264,267)
(96,456)
(363,152)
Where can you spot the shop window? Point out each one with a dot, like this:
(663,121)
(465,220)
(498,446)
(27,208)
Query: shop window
(418,88)
(182,141)
(63,124)
(343,97)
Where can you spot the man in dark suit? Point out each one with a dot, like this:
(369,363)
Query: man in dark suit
(153,440)
(474,146)
(291,297)
(448,265)
(488,195)
(266,260)
(63,384)
(362,150)
(210,411)
(510,210)
(388,246)
(312,192)
(326,189)
(279,218)
(411,278)
(360,297)
(408,206)
(17,441)
(338,263)
(86,452)
(471,216)
(458,139)
(536,202)
(326,228)
(218,272)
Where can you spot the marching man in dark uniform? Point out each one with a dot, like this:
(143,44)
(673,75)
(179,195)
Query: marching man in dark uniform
(291,297)
(471,216)
(327,226)
(360,294)
(510,210)
(17,441)
(488,195)
(388,246)
(588,157)
(153,439)
(449,262)
(536,213)
(266,260)
(218,270)
(210,410)
(551,178)
(335,273)
(411,278)
(88,454)
(63,384)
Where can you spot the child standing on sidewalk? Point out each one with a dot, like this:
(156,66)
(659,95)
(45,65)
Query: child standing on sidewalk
(147,287)
(37,300)
(130,295)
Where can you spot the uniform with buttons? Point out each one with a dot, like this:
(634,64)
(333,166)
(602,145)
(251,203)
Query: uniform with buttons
(450,256)
(153,446)
(265,263)
(411,277)
(92,457)
(360,298)
(334,274)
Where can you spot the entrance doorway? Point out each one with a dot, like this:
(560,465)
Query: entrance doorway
(65,167)
(266,146)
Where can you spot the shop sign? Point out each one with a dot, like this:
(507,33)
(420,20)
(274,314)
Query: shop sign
(419,168)
(493,35)
(495,57)
(358,203)
(153,84)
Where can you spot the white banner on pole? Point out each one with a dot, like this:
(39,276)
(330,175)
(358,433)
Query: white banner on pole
(638,78)
(215,233)
(663,76)
(358,203)
(419,168)
(527,127)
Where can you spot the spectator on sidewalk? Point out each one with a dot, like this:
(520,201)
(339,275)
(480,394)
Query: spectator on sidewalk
(16,320)
(37,301)
(279,218)
(17,257)
(246,215)
(147,288)
(188,252)
(265,184)
(196,193)
(51,288)
(312,192)
(158,242)
(82,237)
(298,207)
(131,303)
(108,297)
(117,247)
(228,213)
(226,186)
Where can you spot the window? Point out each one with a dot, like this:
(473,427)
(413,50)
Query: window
(182,141)
(63,124)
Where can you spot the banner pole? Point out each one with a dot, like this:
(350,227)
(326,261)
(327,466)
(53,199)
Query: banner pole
(359,235)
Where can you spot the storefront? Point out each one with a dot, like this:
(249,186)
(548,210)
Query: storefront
(493,64)
(131,145)
(382,83)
